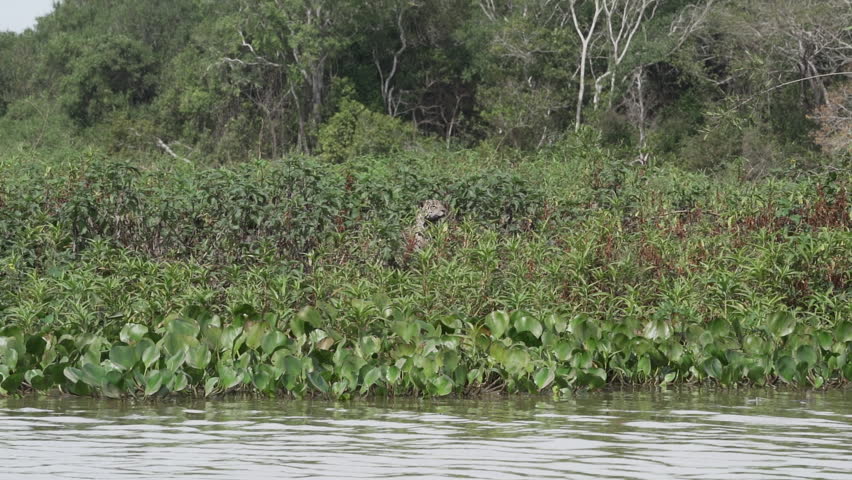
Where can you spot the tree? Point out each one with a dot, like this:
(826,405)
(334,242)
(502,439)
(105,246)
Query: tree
(586,35)
(111,73)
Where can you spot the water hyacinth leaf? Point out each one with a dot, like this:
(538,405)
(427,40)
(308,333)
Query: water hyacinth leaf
(563,351)
(261,379)
(369,346)
(292,366)
(123,356)
(592,378)
(316,336)
(318,381)
(183,327)
(442,385)
(254,333)
(497,322)
(393,374)
(30,374)
(644,366)
(310,316)
(452,321)
(673,351)
(73,374)
(843,331)
(669,378)
(35,345)
(153,382)
(229,336)
(555,323)
(132,333)
(210,385)
(712,367)
(657,330)
(150,355)
(755,345)
(93,375)
(228,376)
(524,322)
(12,383)
(806,355)
(544,377)
(781,324)
(785,367)
(719,327)
(405,329)
(179,382)
(198,357)
(272,341)
(370,378)
(824,340)
(582,359)
(583,328)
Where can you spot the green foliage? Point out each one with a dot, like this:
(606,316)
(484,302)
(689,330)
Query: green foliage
(356,131)
(111,73)
(560,272)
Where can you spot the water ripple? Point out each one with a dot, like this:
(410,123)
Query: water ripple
(614,435)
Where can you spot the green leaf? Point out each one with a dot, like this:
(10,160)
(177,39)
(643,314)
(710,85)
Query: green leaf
(712,367)
(370,378)
(229,336)
(174,362)
(228,376)
(150,355)
(179,381)
(124,357)
(255,333)
(544,377)
(318,381)
(657,330)
(781,324)
(583,328)
(785,367)
(132,333)
(210,385)
(272,341)
(644,366)
(526,323)
(369,345)
(183,327)
(669,378)
(806,355)
(405,329)
(153,382)
(73,374)
(843,332)
(393,374)
(498,323)
(563,351)
(198,357)
(442,385)
(310,316)
(592,377)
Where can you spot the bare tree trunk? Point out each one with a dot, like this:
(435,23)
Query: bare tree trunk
(585,41)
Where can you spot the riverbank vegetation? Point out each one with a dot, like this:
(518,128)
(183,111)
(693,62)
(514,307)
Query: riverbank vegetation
(217,197)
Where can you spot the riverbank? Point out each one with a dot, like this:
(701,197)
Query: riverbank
(566,269)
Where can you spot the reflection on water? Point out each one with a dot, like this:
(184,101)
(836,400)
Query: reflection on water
(625,435)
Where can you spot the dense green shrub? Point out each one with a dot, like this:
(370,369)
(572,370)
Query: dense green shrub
(570,269)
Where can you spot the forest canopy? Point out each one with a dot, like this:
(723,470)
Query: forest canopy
(701,82)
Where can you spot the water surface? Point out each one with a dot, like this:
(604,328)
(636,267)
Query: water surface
(623,435)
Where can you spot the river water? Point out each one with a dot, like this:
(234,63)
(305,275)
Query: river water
(625,435)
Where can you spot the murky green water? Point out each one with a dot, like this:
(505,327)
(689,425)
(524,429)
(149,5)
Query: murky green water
(607,435)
